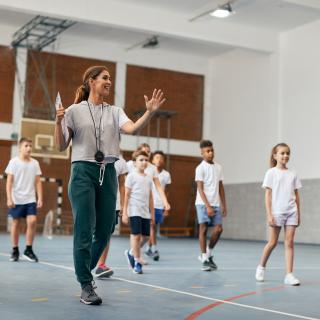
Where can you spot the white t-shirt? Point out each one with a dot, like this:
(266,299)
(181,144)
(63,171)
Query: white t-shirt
(283,183)
(211,175)
(141,186)
(165,179)
(121,168)
(24,175)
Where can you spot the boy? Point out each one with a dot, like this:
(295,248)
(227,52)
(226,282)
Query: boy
(23,181)
(138,207)
(210,203)
(103,271)
(158,159)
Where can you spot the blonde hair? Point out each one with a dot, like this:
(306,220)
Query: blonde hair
(273,161)
(83,91)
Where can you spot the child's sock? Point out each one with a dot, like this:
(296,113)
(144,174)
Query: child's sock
(204,257)
(209,252)
(131,252)
(153,248)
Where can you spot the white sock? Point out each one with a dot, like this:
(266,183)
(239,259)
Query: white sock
(204,257)
(131,252)
(209,252)
(153,248)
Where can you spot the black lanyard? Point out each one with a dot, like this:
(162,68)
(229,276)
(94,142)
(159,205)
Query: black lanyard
(95,130)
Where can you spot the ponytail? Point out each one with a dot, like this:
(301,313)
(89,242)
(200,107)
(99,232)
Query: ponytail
(82,93)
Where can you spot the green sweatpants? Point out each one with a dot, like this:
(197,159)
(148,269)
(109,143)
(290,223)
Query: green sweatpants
(94,213)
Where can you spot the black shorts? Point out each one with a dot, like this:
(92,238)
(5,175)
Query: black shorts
(139,225)
(23,210)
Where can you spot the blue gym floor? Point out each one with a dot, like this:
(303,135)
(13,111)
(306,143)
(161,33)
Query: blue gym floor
(173,288)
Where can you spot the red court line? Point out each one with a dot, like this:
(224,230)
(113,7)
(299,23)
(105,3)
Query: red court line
(199,312)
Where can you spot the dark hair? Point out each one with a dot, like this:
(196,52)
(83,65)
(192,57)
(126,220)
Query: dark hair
(24,139)
(273,161)
(83,91)
(143,145)
(205,144)
(138,153)
(159,152)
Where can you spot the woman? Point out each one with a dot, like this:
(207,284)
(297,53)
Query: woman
(94,128)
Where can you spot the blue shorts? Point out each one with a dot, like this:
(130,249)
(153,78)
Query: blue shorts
(203,217)
(139,225)
(158,214)
(23,210)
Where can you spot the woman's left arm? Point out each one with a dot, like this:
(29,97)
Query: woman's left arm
(152,106)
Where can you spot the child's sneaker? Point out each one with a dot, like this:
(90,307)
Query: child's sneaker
(206,266)
(14,255)
(260,273)
(148,252)
(213,266)
(30,256)
(89,296)
(156,255)
(291,280)
(137,268)
(103,271)
(130,259)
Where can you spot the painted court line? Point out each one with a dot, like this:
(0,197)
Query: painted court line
(292,315)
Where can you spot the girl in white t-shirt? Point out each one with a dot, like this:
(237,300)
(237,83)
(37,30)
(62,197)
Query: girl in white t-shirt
(283,209)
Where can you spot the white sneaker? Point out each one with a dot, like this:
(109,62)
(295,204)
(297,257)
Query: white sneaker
(260,273)
(291,280)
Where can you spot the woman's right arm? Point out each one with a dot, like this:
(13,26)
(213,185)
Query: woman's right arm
(61,141)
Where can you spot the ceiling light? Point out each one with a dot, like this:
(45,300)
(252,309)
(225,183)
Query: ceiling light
(222,11)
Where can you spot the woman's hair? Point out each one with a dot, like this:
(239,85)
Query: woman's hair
(83,91)
(138,153)
(273,161)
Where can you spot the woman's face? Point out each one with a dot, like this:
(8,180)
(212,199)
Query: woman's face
(101,85)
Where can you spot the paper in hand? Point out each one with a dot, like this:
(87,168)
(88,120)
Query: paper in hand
(58,102)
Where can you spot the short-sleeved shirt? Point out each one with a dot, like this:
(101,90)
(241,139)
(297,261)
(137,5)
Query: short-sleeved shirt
(24,175)
(141,186)
(84,145)
(283,184)
(121,168)
(211,175)
(165,179)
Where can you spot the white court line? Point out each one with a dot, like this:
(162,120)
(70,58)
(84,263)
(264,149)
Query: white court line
(186,293)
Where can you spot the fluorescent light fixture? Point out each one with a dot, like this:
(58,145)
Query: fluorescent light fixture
(222,11)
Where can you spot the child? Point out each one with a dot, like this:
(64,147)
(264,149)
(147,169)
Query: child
(103,271)
(23,179)
(138,206)
(210,203)
(158,159)
(283,209)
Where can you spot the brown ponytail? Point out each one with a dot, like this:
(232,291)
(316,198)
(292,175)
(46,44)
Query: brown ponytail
(83,91)
(273,161)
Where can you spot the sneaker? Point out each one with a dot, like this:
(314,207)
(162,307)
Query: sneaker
(156,255)
(213,266)
(88,295)
(130,259)
(291,280)
(30,256)
(260,273)
(14,255)
(206,266)
(103,271)
(137,268)
(149,252)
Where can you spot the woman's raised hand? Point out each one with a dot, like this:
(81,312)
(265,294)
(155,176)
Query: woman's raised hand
(60,114)
(156,100)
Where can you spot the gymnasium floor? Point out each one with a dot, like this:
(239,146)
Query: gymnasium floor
(173,288)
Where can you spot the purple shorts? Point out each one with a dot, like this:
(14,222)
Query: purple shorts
(286,219)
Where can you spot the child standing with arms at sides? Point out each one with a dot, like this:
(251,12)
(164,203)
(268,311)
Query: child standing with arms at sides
(23,182)
(283,209)
(210,203)
(102,270)
(158,159)
(138,208)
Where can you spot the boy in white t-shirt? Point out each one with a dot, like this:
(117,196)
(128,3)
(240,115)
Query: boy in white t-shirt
(158,160)
(102,270)
(138,209)
(283,210)
(23,182)
(210,203)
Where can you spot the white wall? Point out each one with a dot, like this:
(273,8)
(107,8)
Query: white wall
(242,116)
(300,97)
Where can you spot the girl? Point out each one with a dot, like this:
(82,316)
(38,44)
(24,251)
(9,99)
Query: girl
(94,128)
(283,209)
